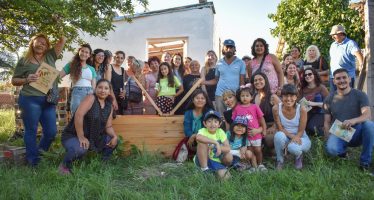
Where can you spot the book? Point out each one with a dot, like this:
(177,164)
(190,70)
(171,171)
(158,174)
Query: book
(304,102)
(47,76)
(345,134)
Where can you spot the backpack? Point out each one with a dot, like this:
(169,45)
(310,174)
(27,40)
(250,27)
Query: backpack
(182,152)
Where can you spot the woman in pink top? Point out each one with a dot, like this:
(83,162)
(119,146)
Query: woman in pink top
(271,65)
(150,84)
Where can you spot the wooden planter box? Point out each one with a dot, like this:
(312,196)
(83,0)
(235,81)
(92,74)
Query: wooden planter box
(150,133)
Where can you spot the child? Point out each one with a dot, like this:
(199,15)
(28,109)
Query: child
(213,149)
(166,87)
(238,139)
(290,119)
(256,121)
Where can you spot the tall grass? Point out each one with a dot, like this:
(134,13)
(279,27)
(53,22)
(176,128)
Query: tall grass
(7,124)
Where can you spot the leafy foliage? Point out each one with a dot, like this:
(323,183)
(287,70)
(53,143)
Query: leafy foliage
(20,19)
(7,61)
(306,22)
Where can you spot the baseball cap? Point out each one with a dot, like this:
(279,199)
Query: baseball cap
(212,113)
(336,29)
(229,42)
(240,120)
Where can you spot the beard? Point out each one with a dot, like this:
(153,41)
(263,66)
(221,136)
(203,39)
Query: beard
(229,54)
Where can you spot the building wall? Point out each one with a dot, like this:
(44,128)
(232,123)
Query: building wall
(196,24)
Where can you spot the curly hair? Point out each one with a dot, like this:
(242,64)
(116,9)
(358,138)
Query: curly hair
(317,78)
(75,64)
(266,45)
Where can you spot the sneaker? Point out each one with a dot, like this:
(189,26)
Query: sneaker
(64,170)
(262,168)
(252,170)
(299,162)
(279,165)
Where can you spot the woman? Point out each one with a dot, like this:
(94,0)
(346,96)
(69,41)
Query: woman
(90,128)
(287,58)
(150,84)
(314,59)
(100,66)
(117,78)
(296,55)
(265,100)
(315,93)
(290,119)
(166,57)
(187,61)
(208,72)
(266,63)
(291,76)
(134,105)
(190,79)
(178,66)
(32,102)
(193,117)
(82,75)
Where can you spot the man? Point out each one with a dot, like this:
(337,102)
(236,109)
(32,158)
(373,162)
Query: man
(343,54)
(351,107)
(230,74)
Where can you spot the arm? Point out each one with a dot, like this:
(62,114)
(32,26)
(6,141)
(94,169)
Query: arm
(278,70)
(225,147)
(360,59)
(108,73)
(242,79)
(23,81)
(365,115)
(60,45)
(202,75)
(263,125)
(180,91)
(302,126)
(110,131)
(83,108)
(211,82)
(327,125)
(93,83)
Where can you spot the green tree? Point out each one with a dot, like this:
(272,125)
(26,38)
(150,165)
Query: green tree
(20,19)
(306,22)
(7,63)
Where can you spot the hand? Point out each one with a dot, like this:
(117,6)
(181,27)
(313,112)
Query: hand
(242,152)
(83,142)
(32,78)
(251,133)
(347,124)
(219,151)
(122,94)
(115,104)
(296,139)
(191,140)
(113,142)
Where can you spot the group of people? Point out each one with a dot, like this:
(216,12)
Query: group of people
(241,105)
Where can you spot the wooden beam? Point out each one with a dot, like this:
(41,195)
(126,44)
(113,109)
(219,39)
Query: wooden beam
(197,84)
(147,96)
(369,43)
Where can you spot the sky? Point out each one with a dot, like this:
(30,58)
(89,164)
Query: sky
(240,20)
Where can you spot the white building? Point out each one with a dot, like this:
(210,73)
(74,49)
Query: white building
(189,30)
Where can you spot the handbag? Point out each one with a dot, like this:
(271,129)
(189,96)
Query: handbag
(53,95)
(135,94)
(325,77)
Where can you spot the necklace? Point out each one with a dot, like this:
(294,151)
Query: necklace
(36,59)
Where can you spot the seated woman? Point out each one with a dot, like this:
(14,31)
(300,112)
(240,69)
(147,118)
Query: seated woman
(90,128)
(193,117)
(265,100)
(290,119)
(314,92)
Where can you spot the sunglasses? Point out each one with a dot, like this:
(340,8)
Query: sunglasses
(308,74)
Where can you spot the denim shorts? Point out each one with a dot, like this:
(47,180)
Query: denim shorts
(78,94)
(212,165)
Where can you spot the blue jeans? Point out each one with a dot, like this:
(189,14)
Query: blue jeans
(364,135)
(77,96)
(74,151)
(281,141)
(333,86)
(36,109)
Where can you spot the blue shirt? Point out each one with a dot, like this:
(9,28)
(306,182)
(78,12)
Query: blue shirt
(342,56)
(237,143)
(229,75)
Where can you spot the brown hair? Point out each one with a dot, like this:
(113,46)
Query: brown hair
(30,51)
(75,64)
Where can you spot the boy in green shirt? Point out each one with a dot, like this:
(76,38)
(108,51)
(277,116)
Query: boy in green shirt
(213,149)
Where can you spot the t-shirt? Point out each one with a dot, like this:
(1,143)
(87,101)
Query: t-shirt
(23,70)
(237,143)
(347,106)
(219,136)
(229,75)
(165,89)
(315,64)
(342,56)
(88,74)
(253,114)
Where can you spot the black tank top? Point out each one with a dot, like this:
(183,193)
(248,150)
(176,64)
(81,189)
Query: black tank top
(117,81)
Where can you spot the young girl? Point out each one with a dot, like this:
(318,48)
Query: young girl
(256,121)
(238,140)
(166,87)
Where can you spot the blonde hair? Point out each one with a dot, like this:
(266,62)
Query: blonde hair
(30,51)
(318,53)
(228,93)
(206,66)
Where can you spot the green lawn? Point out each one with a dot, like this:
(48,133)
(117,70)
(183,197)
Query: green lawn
(145,176)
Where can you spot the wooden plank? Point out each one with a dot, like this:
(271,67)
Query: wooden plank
(147,95)
(187,95)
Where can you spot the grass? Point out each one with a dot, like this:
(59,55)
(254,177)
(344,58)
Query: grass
(145,176)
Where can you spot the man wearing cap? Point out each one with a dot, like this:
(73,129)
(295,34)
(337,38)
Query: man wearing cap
(230,74)
(343,54)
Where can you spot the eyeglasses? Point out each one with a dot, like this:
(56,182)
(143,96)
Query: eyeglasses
(308,74)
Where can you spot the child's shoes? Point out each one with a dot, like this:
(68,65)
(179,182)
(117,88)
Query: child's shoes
(299,162)
(262,168)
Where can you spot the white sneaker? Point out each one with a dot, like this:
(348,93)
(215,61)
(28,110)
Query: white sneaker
(262,168)
(252,170)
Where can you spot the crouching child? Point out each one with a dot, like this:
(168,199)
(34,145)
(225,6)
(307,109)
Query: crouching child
(213,149)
